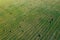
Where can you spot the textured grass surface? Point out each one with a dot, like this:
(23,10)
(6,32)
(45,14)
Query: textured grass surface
(29,19)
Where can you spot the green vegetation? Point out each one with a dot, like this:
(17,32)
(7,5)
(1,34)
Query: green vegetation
(29,19)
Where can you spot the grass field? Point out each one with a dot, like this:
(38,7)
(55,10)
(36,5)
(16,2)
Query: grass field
(29,19)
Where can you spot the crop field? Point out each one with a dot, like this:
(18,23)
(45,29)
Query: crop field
(29,19)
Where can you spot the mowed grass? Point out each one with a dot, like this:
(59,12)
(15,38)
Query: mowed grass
(30,20)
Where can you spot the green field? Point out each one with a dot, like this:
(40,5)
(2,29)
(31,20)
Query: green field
(29,19)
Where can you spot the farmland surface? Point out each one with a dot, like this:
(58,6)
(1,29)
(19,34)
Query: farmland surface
(29,19)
